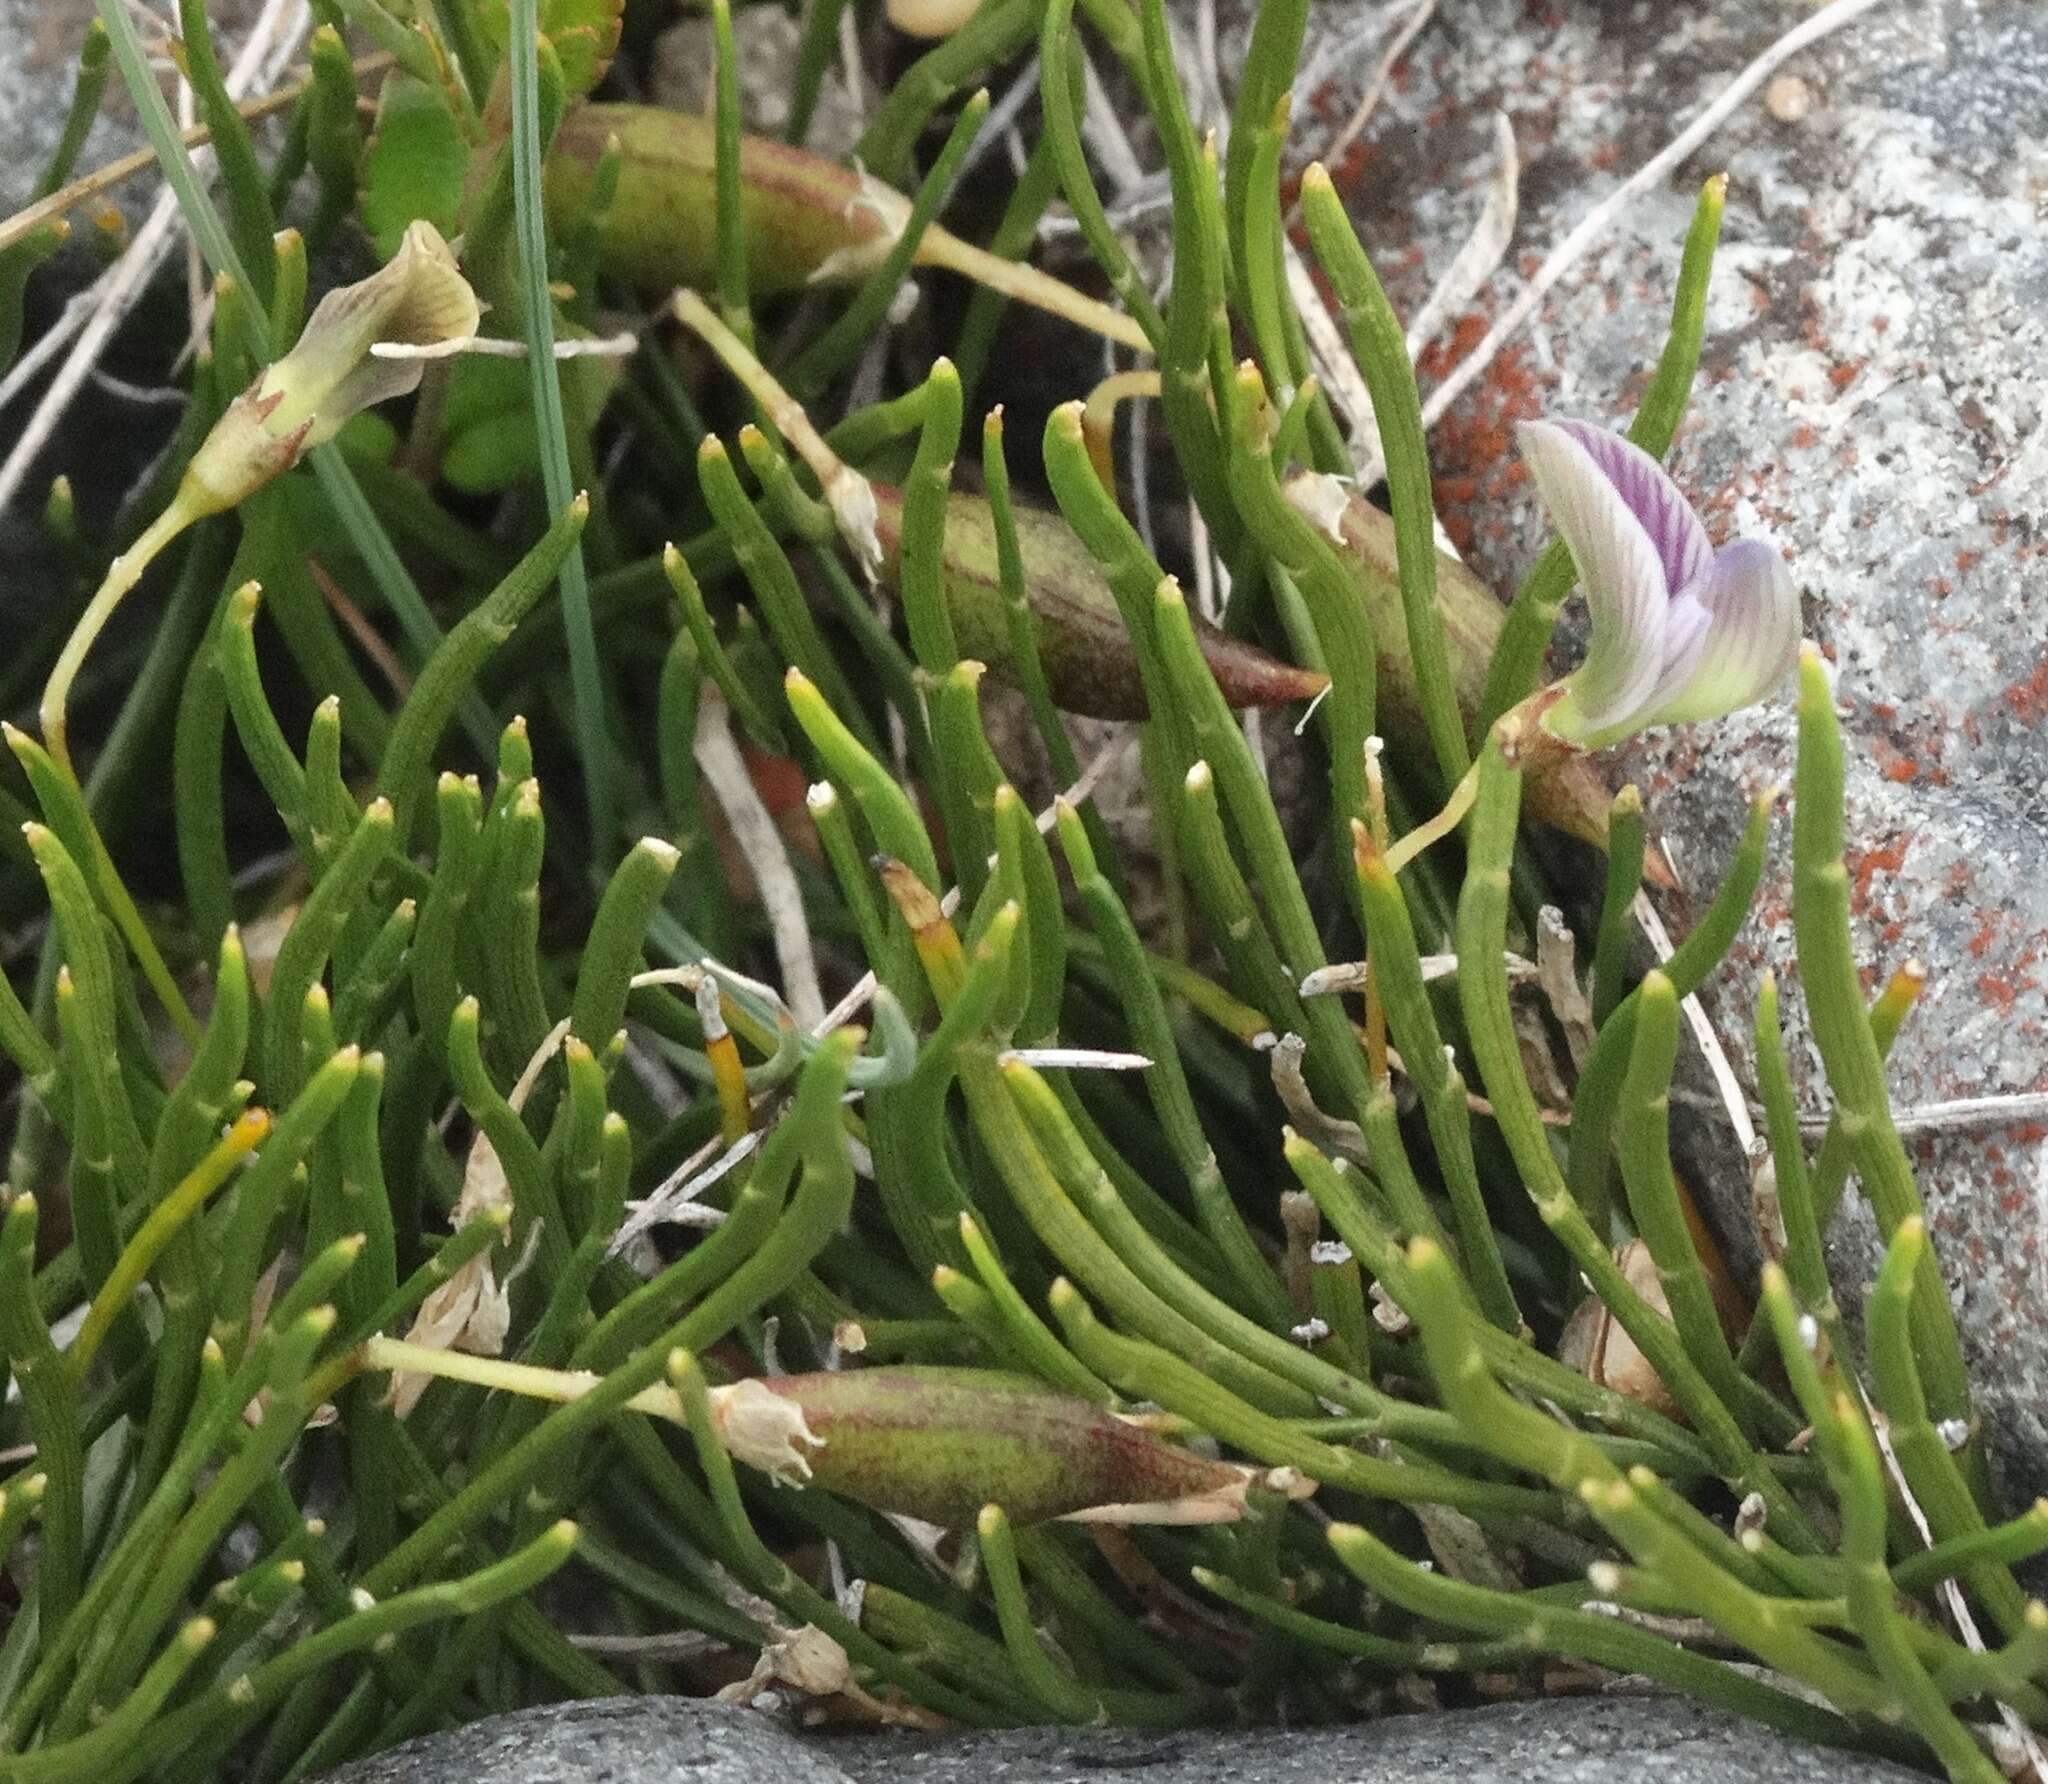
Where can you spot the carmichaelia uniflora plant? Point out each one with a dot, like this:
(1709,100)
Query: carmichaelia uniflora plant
(454,1254)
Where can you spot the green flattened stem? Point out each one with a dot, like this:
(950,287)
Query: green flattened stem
(1805,1262)
(1411,1017)
(1026,667)
(1844,1439)
(1596,1101)
(263,1186)
(1545,1626)
(373,1626)
(1237,925)
(63,804)
(1529,1439)
(1063,131)
(811,1133)
(1063,1696)
(612,953)
(1924,1457)
(117,1744)
(730,219)
(771,576)
(91,965)
(1191,1391)
(1045,1201)
(1835,1160)
(922,569)
(405,773)
(1624,881)
(1152,1032)
(891,815)
(2019,1539)
(1024,1334)
(1483,992)
(1382,355)
(1525,638)
(1645,1143)
(163,1223)
(1848,1049)
(1194,388)
(1084,1178)
(49,1397)
(303,954)
(249,219)
(1343,628)
(761,726)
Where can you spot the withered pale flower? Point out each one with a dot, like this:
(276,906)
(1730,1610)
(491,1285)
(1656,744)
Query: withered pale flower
(1680,631)
(418,298)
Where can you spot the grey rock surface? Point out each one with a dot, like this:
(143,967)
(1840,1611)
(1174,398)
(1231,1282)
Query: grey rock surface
(42,38)
(38,71)
(620,1740)
(1870,399)
(1580,1740)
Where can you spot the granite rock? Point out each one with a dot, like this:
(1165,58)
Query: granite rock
(37,74)
(620,1740)
(1579,1740)
(1870,399)
(1603,1740)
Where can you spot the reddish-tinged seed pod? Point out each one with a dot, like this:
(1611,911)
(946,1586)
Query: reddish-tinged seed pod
(939,1444)
(1090,666)
(1563,787)
(807,220)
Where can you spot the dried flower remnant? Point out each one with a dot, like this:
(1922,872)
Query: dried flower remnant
(418,298)
(1680,631)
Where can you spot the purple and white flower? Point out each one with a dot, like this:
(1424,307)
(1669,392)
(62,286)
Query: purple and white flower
(1680,631)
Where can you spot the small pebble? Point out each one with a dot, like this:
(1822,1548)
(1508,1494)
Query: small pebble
(1788,99)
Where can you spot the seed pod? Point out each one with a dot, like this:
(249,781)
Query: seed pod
(1090,665)
(807,220)
(1563,787)
(939,1443)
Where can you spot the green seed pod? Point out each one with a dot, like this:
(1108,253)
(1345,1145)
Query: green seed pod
(1563,787)
(939,1444)
(806,220)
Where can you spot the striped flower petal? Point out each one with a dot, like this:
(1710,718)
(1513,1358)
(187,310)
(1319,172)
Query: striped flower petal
(1743,643)
(1621,567)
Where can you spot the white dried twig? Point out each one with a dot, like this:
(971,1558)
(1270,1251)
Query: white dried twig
(1959,1115)
(1589,227)
(1484,248)
(1086,1059)
(1106,136)
(761,843)
(1369,100)
(1725,1081)
(273,40)
(618,346)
